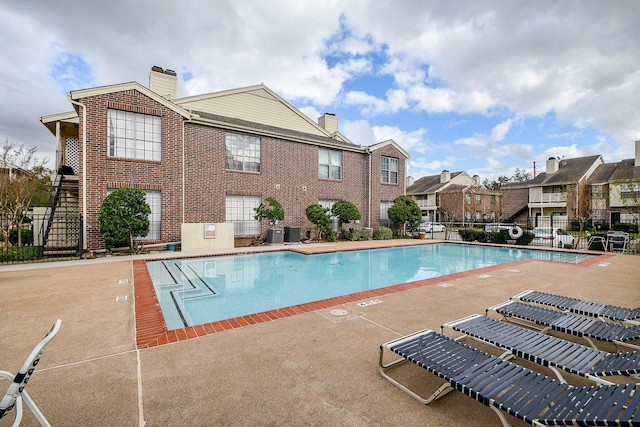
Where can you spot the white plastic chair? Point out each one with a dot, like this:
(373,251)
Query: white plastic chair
(16,394)
(617,241)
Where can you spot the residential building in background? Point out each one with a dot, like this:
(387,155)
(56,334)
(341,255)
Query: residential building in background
(455,196)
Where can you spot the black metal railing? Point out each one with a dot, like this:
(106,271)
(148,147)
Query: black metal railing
(23,239)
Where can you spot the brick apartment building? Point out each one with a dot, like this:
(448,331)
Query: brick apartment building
(214,157)
(455,196)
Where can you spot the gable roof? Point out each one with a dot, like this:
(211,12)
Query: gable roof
(430,184)
(570,171)
(611,172)
(382,144)
(239,125)
(257,104)
(121,87)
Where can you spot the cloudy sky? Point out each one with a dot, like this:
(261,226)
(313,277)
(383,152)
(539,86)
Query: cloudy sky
(480,86)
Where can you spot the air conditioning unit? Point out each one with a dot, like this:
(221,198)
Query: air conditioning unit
(275,236)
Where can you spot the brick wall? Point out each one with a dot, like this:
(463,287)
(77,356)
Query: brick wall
(289,172)
(104,172)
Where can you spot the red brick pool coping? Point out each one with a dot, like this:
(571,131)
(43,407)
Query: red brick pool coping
(151,329)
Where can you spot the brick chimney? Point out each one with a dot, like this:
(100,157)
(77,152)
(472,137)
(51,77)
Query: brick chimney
(329,122)
(553,164)
(163,82)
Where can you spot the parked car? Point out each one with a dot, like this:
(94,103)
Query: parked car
(429,227)
(546,236)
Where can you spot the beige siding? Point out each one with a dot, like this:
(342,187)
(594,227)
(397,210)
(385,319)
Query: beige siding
(257,106)
(163,84)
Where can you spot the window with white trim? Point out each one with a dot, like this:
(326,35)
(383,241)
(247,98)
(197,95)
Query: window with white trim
(329,164)
(389,170)
(384,214)
(328,203)
(243,152)
(134,135)
(154,200)
(240,211)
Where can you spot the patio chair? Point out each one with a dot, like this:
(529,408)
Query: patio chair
(506,387)
(569,323)
(16,393)
(581,306)
(546,350)
(592,240)
(617,241)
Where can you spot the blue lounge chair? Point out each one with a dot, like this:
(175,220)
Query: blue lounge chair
(506,387)
(569,323)
(16,393)
(552,352)
(581,306)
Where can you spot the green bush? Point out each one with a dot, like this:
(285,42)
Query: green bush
(501,237)
(124,215)
(23,253)
(383,233)
(626,226)
(355,234)
(26,236)
(331,236)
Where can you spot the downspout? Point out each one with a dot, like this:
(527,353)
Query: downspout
(84,169)
(369,195)
(183,180)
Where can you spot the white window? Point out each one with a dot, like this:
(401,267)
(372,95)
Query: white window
(243,152)
(240,211)
(329,164)
(389,170)
(154,200)
(327,203)
(134,136)
(384,213)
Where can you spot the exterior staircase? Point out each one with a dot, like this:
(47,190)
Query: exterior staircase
(62,226)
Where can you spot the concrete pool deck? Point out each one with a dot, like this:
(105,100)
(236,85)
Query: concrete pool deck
(312,368)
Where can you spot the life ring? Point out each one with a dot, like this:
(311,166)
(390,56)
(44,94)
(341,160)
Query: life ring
(515,232)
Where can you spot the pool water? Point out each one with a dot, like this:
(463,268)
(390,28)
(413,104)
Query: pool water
(195,291)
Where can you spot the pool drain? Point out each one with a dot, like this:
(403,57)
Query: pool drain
(339,312)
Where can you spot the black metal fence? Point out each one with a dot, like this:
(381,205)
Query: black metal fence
(578,233)
(38,238)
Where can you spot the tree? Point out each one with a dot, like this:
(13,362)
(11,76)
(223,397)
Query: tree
(124,215)
(23,180)
(579,203)
(345,212)
(495,184)
(405,210)
(272,211)
(319,216)
(519,175)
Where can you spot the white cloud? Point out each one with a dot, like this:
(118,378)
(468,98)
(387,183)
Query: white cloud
(404,67)
(499,132)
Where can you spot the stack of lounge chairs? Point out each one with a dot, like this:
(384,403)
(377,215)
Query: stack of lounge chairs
(507,387)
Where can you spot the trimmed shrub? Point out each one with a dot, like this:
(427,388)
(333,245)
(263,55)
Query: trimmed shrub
(501,237)
(355,234)
(383,233)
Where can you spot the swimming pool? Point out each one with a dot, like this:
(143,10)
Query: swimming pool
(196,291)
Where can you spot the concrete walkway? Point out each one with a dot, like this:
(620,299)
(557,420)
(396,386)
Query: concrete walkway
(310,369)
